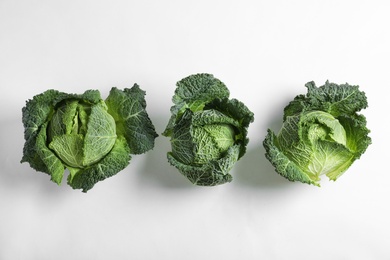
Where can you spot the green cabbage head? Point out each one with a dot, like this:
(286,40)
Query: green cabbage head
(90,137)
(208,130)
(322,134)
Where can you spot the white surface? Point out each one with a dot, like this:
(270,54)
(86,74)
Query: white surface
(265,51)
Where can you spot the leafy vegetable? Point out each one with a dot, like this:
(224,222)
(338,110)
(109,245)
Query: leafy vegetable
(208,130)
(90,137)
(322,134)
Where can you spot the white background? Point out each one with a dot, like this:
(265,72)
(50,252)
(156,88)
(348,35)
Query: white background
(264,51)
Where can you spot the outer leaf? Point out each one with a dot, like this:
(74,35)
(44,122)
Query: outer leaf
(132,121)
(331,98)
(336,99)
(101,135)
(36,114)
(283,165)
(182,144)
(52,165)
(194,92)
(110,165)
(213,173)
(329,158)
(69,148)
(357,133)
(199,87)
(62,120)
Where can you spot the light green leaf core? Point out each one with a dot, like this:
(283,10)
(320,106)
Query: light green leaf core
(80,134)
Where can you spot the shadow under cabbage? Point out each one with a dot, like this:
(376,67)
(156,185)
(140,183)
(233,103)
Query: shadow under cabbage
(156,169)
(254,169)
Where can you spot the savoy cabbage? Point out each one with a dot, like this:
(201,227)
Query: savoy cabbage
(208,130)
(322,134)
(90,137)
